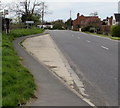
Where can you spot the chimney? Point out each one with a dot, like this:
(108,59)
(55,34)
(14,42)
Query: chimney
(112,17)
(78,15)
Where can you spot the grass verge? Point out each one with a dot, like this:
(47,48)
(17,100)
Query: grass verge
(110,37)
(17,83)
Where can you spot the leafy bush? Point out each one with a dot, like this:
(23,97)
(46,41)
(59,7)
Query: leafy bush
(87,28)
(58,26)
(115,31)
(92,30)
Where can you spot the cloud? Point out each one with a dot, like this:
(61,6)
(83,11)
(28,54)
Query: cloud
(81,0)
(62,10)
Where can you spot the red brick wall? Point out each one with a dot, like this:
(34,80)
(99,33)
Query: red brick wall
(83,21)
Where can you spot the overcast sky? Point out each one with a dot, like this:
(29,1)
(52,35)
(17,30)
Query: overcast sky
(60,9)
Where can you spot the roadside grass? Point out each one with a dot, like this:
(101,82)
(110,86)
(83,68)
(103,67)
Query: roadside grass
(24,32)
(110,37)
(17,82)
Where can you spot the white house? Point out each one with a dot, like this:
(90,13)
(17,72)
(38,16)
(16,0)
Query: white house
(117,15)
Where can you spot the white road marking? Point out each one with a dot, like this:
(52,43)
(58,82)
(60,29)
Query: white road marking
(78,37)
(88,41)
(105,47)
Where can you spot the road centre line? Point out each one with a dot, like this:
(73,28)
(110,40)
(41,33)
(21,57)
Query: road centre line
(88,41)
(105,47)
(101,46)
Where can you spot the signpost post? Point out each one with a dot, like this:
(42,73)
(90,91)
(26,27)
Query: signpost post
(29,23)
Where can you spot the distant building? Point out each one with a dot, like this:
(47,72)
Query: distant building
(117,15)
(83,21)
(106,25)
(108,21)
(114,22)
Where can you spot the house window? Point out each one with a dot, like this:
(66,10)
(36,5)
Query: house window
(81,22)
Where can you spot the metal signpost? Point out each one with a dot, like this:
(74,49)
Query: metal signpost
(29,23)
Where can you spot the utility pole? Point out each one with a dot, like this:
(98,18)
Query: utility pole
(43,5)
(70,14)
(70,20)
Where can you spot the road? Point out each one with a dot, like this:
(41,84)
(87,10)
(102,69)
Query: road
(95,60)
(50,90)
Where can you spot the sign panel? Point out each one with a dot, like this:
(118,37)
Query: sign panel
(29,22)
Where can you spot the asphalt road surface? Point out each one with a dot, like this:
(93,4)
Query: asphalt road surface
(50,90)
(95,60)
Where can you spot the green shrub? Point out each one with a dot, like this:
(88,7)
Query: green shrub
(24,32)
(115,31)
(86,29)
(92,30)
(58,26)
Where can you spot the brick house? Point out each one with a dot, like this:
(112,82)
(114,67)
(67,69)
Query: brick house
(106,25)
(108,21)
(83,21)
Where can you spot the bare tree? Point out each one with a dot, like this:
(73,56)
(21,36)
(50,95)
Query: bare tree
(29,8)
(3,9)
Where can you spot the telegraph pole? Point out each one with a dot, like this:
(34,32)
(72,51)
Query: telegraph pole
(70,20)
(43,5)
(70,14)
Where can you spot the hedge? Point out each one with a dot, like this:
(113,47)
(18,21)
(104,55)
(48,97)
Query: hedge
(115,31)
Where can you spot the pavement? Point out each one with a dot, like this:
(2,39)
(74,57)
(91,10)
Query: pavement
(95,61)
(51,91)
(44,50)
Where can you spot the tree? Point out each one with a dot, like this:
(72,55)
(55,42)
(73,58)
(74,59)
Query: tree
(30,17)
(3,11)
(29,10)
(68,24)
(59,24)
